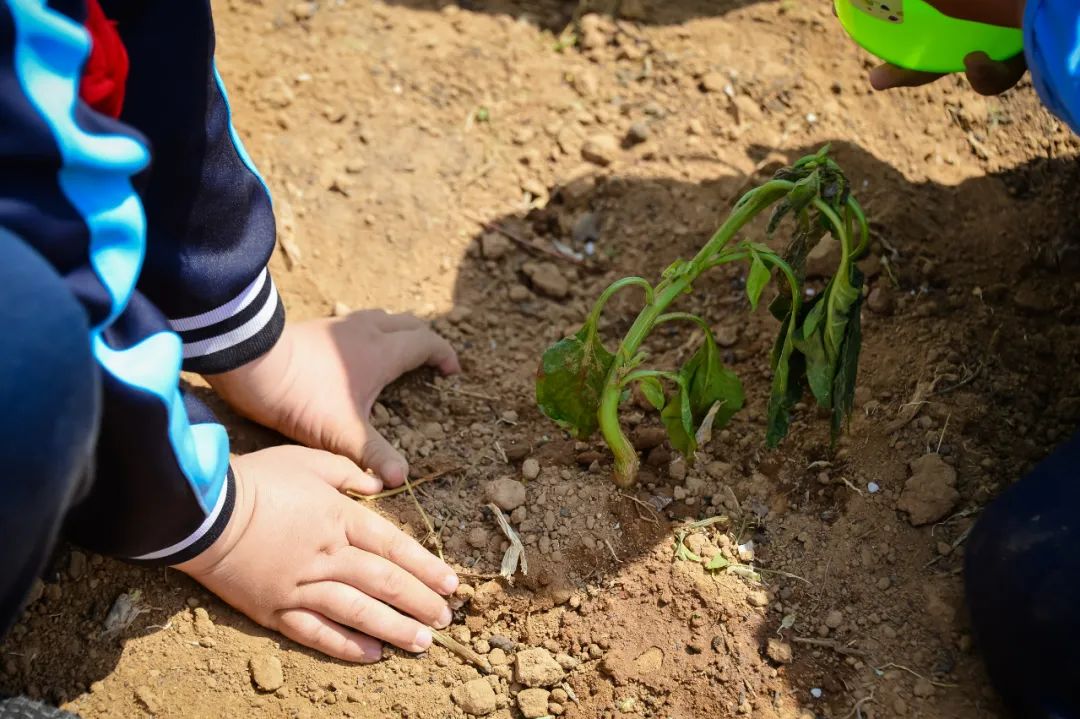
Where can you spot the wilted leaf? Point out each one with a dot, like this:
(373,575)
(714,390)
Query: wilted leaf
(756,280)
(706,382)
(711,382)
(571,379)
(679,422)
(682,552)
(789,372)
(717,563)
(653,391)
(810,341)
(847,368)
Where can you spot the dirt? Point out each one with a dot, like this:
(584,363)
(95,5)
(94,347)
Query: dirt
(417,150)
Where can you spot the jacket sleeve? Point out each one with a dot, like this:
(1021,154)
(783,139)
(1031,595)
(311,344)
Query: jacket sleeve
(162,490)
(1052,46)
(210,221)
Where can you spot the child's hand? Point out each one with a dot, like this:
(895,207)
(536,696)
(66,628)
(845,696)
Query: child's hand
(987,77)
(301,558)
(320,381)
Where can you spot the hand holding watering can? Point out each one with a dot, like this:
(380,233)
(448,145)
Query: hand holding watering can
(921,40)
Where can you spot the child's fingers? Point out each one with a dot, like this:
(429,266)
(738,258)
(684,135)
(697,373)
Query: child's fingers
(422,346)
(396,322)
(991,77)
(341,473)
(316,631)
(353,608)
(389,583)
(378,455)
(372,533)
(887,77)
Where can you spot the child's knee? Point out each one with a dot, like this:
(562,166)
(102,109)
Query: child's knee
(48,378)
(1022,578)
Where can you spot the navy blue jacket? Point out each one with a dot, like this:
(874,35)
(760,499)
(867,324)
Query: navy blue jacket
(161,227)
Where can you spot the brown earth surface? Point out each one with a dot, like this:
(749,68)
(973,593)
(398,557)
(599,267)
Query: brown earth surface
(405,141)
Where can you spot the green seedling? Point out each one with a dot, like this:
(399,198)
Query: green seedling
(581,384)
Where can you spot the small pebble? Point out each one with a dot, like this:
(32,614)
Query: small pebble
(530,469)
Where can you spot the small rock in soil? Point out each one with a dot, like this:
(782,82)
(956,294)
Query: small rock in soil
(266,672)
(823,259)
(77,565)
(714,82)
(508,494)
(646,438)
(533,703)
(923,688)
(432,430)
(930,494)
(778,651)
(1032,296)
(638,133)
(546,278)
(304,10)
(758,598)
(478,537)
(601,149)
(537,668)
(586,458)
(881,300)
(834,619)
(517,450)
(566,661)
(475,697)
(530,468)
(148,699)
(677,469)
(727,335)
(498,641)
(586,228)
(203,626)
(493,245)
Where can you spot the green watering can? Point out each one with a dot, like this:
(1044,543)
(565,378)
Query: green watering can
(915,35)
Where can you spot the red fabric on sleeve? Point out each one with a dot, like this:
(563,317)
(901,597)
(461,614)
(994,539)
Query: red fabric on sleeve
(105,75)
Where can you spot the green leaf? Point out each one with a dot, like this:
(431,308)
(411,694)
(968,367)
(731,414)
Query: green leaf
(682,552)
(847,366)
(679,422)
(842,296)
(571,379)
(757,279)
(709,382)
(717,563)
(810,341)
(789,372)
(653,391)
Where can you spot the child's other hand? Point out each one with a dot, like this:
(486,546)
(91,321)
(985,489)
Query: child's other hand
(320,381)
(987,77)
(301,558)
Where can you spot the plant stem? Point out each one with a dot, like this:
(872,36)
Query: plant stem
(864,226)
(749,206)
(646,373)
(686,316)
(607,294)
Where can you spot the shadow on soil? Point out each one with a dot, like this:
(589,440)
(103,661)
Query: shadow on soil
(556,14)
